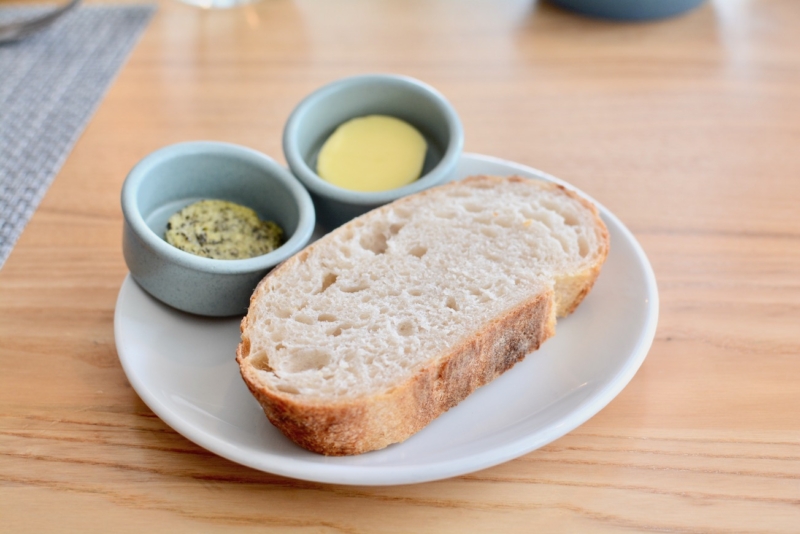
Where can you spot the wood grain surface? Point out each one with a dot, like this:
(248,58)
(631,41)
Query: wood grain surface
(688,129)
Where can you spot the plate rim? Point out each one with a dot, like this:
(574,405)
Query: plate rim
(397,475)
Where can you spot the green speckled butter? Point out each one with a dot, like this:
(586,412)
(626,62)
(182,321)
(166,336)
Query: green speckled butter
(222,230)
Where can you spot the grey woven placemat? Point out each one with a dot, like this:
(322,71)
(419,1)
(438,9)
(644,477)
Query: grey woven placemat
(50,85)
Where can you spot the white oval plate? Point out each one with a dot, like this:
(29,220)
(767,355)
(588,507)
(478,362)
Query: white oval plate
(183,368)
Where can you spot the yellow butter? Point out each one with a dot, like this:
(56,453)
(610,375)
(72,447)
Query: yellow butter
(372,153)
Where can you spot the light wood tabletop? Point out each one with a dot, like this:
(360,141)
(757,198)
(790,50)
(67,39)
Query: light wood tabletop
(687,129)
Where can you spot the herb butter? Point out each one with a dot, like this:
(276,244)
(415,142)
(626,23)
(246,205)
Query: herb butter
(372,153)
(222,230)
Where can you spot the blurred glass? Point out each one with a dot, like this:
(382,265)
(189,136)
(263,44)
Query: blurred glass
(218,4)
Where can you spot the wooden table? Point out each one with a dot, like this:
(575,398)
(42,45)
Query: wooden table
(687,129)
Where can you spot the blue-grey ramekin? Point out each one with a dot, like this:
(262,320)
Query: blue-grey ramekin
(321,112)
(175,176)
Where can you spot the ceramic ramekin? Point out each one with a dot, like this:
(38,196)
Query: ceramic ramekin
(318,115)
(175,176)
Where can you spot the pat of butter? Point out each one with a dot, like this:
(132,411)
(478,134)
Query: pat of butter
(372,153)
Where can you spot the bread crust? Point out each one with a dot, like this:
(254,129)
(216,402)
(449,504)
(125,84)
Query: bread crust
(357,425)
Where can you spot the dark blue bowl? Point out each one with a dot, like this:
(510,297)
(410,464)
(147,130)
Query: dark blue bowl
(632,10)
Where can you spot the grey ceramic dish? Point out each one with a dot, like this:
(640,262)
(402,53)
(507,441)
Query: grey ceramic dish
(318,115)
(178,175)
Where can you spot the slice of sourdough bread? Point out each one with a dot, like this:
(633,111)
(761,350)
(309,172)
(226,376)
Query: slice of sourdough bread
(370,333)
